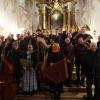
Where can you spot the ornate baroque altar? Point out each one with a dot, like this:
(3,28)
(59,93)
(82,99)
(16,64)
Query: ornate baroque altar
(56,14)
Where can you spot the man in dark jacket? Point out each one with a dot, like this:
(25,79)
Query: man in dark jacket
(97,75)
(92,71)
(80,52)
(98,43)
(69,53)
(13,57)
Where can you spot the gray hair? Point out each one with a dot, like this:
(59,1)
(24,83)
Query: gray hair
(93,43)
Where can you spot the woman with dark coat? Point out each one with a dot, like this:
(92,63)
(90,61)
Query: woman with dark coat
(54,56)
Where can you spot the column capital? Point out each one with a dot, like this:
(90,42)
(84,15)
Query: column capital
(69,5)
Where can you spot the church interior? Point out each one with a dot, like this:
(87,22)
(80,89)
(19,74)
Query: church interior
(49,50)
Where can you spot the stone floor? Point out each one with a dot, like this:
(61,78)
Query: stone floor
(70,93)
(43,96)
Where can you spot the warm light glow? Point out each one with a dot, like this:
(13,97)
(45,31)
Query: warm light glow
(55,16)
(9,27)
(63,29)
(8,23)
(15,18)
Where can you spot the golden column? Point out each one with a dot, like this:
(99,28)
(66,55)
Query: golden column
(49,22)
(44,23)
(64,20)
(40,15)
(40,19)
(49,19)
(73,15)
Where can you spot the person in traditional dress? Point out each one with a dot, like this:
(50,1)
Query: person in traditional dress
(31,55)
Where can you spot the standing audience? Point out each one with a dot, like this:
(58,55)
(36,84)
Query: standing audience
(72,46)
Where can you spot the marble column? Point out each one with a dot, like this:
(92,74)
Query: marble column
(40,15)
(69,15)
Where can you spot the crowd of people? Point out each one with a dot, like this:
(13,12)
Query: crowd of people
(49,49)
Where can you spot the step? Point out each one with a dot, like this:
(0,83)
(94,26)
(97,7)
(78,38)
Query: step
(69,93)
(72,88)
(47,96)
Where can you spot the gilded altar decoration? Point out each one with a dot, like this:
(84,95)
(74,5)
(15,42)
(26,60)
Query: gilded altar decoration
(56,14)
